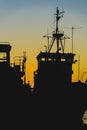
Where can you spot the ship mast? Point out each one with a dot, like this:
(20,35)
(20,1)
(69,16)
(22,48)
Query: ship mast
(54,68)
(57,35)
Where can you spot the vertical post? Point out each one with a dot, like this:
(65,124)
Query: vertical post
(57,18)
(47,41)
(24,63)
(72,38)
(78,68)
(48,44)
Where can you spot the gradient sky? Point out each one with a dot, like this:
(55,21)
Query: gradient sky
(24,22)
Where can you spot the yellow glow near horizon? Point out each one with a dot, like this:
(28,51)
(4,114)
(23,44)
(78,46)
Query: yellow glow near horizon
(23,26)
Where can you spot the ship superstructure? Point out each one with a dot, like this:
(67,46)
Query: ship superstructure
(11,75)
(54,68)
(62,100)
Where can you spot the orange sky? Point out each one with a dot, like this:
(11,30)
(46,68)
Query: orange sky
(24,24)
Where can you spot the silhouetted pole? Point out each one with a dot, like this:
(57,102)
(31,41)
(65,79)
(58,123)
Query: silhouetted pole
(72,38)
(47,47)
(24,66)
(78,67)
(72,34)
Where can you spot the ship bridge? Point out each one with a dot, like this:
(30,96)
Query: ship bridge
(55,57)
(5,53)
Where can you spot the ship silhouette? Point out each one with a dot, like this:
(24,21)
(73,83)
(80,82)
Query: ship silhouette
(55,101)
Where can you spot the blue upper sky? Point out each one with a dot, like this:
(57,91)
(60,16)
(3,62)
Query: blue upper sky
(16,4)
(39,12)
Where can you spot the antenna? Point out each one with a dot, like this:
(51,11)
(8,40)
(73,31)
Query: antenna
(47,36)
(47,47)
(72,28)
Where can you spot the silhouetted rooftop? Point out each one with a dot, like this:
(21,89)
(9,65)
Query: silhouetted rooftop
(55,56)
(5,47)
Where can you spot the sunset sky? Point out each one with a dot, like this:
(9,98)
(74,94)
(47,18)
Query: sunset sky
(24,22)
